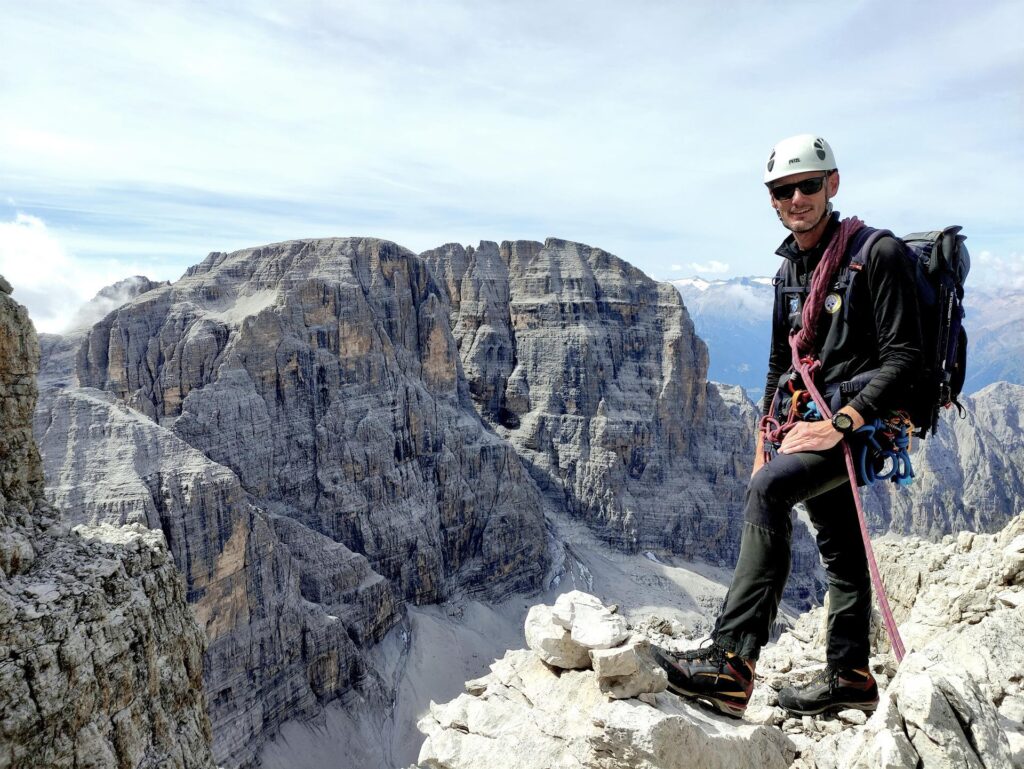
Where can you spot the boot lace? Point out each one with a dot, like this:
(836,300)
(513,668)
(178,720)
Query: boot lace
(708,650)
(828,675)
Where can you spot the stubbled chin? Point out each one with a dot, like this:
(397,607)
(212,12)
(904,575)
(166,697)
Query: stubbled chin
(801,225)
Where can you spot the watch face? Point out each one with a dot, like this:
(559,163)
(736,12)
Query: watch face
(842,422)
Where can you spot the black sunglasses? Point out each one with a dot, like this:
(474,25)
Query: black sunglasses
(807,187)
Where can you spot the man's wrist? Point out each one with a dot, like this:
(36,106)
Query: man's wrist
(847,420)
(842,423)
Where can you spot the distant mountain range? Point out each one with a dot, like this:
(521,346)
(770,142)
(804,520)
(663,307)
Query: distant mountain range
(734,318)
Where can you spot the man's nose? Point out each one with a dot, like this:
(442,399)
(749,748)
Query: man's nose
(798,197)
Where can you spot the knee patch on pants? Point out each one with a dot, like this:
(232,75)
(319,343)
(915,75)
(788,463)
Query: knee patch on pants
(768,502)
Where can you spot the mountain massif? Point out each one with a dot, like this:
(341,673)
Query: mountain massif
(329,432)
(352,454)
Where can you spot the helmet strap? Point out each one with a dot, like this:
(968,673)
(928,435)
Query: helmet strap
(826,213)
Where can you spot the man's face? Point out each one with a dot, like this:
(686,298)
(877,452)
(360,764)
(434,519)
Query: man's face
(801,213)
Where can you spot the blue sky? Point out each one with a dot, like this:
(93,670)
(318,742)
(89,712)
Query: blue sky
(136,138)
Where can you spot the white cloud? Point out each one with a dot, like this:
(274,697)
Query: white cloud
(992,270)
(714,267)
(29,255)
(676,268)
(46,278)
(430,122)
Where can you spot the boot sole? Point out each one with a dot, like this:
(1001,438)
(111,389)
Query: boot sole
(725,708)
(833,707)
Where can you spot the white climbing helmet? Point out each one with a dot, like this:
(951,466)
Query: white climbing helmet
(805,152)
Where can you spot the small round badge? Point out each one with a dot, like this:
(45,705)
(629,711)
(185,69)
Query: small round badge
(832,303)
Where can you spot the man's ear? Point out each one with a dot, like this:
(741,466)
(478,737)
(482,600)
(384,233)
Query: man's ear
(773,201)
(833,183)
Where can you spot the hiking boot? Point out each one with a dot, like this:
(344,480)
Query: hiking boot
(710,675)
(832,689)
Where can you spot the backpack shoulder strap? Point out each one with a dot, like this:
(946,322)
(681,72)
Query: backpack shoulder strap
(858,253)
(860,249)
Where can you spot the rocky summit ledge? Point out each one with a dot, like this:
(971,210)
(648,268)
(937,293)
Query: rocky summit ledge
(956,700)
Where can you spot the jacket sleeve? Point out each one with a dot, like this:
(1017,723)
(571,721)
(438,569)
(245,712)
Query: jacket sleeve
(779,356)
(891,285)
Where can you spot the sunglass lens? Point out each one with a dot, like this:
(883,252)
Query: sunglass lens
(806,187)
(783,191)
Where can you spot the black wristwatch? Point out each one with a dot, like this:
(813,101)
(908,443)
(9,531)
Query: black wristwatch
(842,422)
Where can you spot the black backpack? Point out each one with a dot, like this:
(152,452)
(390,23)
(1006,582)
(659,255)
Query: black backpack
(941,266)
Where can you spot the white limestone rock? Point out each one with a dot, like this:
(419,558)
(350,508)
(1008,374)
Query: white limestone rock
(552,642)
(931,718)
(529,717)
(565,606)
(593,625)
(938,710)
(628,670)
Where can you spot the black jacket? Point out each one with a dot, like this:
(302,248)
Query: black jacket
(880,329)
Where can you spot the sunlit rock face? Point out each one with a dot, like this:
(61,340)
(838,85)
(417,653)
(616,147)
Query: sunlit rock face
(100,658)
(593,372)
(969,475)
(324,375)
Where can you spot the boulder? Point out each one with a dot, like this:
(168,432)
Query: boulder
(552,642)
(933,719)
(628,670)
(591,624)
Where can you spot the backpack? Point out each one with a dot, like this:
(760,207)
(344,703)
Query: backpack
(941,265)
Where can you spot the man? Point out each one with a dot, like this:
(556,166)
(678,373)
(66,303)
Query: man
(875,342)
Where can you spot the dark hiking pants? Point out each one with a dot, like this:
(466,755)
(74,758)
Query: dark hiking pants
(820,481)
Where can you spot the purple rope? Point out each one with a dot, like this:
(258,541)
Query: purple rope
(821,280)
(806,368)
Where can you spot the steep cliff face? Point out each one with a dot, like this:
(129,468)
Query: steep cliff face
(324,375)
(287,612)
(100,659)
(969,475)
(295,420)
(593,372)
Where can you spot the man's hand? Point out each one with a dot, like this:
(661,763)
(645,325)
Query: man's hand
(810,436)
